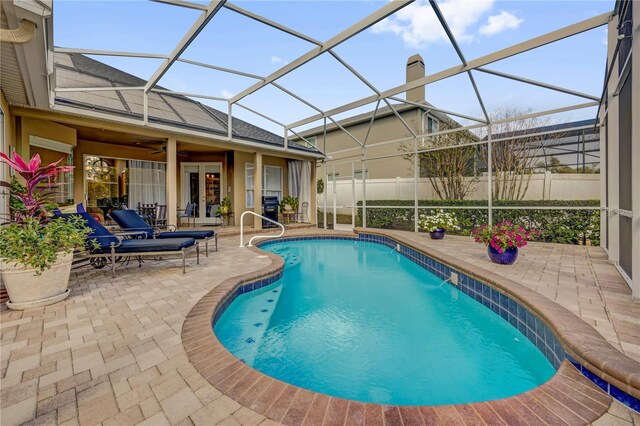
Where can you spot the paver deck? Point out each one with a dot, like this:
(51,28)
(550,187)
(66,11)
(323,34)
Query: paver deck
(112,352)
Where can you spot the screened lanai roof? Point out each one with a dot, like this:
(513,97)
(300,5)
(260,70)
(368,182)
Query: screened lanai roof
(288,104)
(77,70)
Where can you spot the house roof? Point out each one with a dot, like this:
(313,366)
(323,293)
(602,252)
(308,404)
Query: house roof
(77,70)
(559,128)
(382,112)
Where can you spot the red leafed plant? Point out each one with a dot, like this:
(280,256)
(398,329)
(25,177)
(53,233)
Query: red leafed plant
(32,199)
(503,235)
(32,239)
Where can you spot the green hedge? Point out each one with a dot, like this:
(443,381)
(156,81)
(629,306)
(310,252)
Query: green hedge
(558,226)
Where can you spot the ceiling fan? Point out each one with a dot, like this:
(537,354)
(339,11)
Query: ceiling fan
(163,150)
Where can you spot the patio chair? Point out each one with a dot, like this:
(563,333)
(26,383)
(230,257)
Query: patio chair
(188,212)
(161,215)
(130,221)
(112,245)
(303,215)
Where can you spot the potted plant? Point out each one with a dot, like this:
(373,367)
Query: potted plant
(438,224)
(503,240)
(225,208)
(36,250)
(289,204)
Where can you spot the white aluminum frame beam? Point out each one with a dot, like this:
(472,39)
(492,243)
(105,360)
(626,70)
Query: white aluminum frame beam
(271,23)
(538,83)
(266,117)
(110,53)
(515,49)
(444,111)
(202,21)
(372,87)
(97,89)
(353,30)
(222,69)
(182,3)
(190,95)
(455,45)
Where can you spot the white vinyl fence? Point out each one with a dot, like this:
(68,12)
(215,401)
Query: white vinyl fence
(543,186)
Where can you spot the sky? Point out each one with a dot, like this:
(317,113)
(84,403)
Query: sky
(380,53)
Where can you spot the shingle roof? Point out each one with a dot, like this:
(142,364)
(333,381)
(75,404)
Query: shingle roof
(76,70)
(382,112)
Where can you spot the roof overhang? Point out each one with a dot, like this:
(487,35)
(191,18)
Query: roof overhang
(27,62)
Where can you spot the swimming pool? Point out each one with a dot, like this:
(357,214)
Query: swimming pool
(357,320)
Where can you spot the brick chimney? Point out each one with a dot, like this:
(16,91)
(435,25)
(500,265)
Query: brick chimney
(415,70)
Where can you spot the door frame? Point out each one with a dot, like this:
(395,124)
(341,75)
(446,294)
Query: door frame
(202,203)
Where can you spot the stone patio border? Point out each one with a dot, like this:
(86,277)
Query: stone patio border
(290,404)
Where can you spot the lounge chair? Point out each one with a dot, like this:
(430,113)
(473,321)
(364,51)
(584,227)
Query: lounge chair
(111,245)
(130,220)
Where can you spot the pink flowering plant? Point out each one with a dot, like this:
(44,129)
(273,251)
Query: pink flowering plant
(503,236)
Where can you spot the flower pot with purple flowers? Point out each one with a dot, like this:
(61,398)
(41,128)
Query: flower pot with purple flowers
(437,224)
(503,240)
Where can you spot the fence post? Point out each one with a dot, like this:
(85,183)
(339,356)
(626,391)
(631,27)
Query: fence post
(364,192)
(546,187)
(489,176)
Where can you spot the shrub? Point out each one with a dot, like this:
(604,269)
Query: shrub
(556,225)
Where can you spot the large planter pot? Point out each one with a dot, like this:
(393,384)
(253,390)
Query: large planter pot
(27,290)
(438,234)
(507,257)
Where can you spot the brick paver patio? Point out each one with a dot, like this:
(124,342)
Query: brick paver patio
(112,352)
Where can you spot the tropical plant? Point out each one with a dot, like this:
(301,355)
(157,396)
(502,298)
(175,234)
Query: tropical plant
(33,239)
(503,236)
(290,201)
(440,220)
(225,206)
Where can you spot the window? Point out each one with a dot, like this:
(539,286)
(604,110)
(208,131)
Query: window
(332,176)
(248,173)
(112,182)
(358,174)
(432,125)
(50,151)
(271,183)
(312,140)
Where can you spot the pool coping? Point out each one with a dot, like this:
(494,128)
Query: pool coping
(581,341)
(567,397)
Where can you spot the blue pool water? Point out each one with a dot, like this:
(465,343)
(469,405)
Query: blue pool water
(357,320)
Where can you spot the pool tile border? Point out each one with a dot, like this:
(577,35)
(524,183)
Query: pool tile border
(256,390)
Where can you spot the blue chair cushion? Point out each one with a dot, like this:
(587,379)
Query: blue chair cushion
(130,220)
(198,235)
(98,232)
(167,244)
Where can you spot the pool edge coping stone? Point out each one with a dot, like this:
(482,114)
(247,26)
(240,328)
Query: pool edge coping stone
(586,346)
(216,364)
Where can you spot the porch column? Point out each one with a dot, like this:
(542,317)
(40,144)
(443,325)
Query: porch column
(257,189)
(172,182)
(313,205)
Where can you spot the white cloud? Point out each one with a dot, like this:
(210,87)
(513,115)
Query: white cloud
(226,94)
(277,60)
(418,25)
(503,21)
